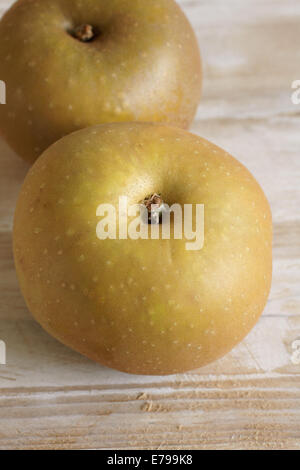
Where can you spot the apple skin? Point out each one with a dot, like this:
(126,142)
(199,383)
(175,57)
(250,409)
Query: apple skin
(143,66)
(142,306)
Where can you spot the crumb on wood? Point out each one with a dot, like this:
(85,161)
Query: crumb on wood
(142,396)
(148,406)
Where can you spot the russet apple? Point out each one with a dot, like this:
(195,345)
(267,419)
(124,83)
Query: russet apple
(69,64)
(144,306)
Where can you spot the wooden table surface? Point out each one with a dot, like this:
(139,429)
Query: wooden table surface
(52,398)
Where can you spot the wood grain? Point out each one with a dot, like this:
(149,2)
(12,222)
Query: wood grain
(53,398)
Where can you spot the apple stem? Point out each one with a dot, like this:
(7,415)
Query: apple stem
(84,32)
(154,213)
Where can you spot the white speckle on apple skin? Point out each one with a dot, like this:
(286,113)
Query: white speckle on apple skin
(70,232)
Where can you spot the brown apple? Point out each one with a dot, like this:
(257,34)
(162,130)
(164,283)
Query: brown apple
(69,64)
(145,306)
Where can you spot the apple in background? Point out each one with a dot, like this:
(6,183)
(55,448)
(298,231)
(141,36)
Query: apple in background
(142,306)
(69,64)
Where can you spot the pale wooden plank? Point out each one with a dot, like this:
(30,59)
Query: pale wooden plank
(237,413)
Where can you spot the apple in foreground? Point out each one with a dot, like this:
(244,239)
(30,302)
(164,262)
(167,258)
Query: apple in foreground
(70,64)
(143,306)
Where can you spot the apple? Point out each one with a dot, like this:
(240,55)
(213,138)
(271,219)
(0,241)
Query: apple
(69,64)
(143,306)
